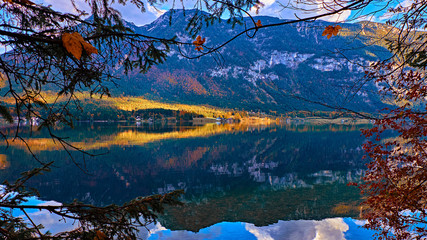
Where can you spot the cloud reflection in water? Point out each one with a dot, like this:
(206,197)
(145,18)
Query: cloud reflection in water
(326,229)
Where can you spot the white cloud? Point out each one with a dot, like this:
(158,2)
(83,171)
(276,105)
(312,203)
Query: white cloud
(360,222)
(406,3)
(386,16)
(260,235)
(129,12)
(369,18)
(274,9)
(327,229)
(292,10)
(339,17)
(153,229)
(389,15)
(133,14)
(156,11)
(332,228)
(51,222)
(65,6)
(50,203)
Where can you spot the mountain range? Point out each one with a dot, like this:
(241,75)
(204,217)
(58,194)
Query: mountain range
(285,68)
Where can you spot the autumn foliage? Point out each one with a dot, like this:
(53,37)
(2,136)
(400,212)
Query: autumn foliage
(331,31)
(75,44)
(396,180)
(199,42)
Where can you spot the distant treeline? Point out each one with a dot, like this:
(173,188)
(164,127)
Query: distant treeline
(94,112)
(118,109)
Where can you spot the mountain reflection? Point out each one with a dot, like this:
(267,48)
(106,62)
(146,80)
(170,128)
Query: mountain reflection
(130,137)
(326,229)
(138,136)
(236,173)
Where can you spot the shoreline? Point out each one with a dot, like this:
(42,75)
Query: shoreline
(248,121)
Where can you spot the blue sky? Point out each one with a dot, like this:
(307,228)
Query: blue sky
(271,8)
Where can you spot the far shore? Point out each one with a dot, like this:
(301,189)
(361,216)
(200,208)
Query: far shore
(342,120)
(247,120)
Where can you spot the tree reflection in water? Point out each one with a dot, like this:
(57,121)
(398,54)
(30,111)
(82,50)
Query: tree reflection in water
(258,175)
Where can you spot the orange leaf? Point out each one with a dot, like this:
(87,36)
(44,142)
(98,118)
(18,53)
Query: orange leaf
(100,235)
(75,44)
(331,30)
(199,42)
(258,23)
(89,48)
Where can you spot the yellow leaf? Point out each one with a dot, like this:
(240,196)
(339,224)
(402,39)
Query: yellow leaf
(74,43)
(258,23)
(331,30)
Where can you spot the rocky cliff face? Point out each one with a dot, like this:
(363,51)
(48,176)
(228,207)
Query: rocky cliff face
(268,71)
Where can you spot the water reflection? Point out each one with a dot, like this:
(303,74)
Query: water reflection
(327,229)
(260,175)
(123,135)
(3,162)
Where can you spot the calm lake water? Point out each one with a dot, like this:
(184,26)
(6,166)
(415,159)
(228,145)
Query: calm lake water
(240,181)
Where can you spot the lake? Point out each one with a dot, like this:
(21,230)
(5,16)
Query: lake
(240,181)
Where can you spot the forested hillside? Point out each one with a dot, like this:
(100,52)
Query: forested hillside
(274,70)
